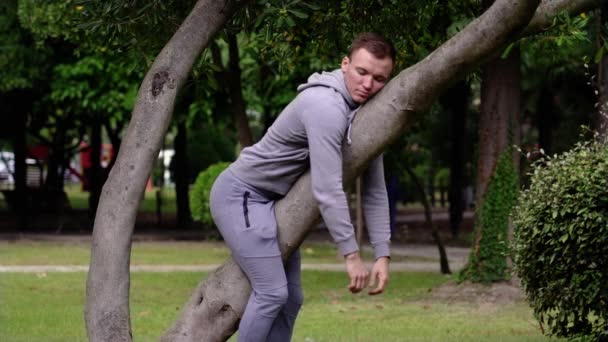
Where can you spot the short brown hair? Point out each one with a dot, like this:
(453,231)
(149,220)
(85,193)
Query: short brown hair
(377,45)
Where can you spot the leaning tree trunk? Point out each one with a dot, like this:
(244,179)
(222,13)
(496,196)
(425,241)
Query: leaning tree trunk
(213,310)
(107,299)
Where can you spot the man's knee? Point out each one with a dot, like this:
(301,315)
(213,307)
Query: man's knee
(271,301)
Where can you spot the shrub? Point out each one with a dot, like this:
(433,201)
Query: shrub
(201,189)
(561,242)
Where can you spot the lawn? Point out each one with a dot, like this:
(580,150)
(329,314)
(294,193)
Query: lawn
(79,199)
(28,252)
(48,307)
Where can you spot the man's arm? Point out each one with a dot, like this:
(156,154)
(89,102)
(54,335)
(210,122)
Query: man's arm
(325,125)
(375,207)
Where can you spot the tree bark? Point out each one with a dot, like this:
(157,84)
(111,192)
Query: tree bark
(500,100)
(213,310)
(107,298)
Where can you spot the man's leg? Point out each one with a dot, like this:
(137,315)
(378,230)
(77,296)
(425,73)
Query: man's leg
(284,323)
(246,220)
(270,291)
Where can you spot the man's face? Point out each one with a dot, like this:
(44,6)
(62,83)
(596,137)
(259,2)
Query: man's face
(365,75)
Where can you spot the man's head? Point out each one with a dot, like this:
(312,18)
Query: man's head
(368,66)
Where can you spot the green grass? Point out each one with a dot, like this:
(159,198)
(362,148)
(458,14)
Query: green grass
(26,252)
(48,307)
(79,199)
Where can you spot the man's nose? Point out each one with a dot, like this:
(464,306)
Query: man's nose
(367,82)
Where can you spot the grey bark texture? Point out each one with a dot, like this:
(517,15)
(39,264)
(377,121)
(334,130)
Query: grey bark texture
(107,298)
(213,311)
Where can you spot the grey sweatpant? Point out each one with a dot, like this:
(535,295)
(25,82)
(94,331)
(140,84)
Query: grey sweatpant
(245,217)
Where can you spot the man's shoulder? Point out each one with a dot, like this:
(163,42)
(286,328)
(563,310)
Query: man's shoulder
(320,96)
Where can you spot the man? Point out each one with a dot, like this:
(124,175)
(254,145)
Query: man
(308,133)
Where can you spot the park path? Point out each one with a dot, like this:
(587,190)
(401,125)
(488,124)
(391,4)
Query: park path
(456,255)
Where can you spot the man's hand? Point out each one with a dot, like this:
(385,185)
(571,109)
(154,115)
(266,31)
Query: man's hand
(357,272)
(379,276)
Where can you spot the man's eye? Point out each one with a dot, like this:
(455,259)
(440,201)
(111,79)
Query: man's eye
(381,80)
(361,72)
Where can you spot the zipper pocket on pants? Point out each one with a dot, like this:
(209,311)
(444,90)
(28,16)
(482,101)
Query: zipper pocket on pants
(246,209)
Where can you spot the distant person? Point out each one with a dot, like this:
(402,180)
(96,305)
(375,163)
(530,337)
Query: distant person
(309,133)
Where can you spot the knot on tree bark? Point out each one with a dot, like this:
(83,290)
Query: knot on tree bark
(158,81)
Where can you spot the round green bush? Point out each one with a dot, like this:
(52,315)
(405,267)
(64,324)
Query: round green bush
(561,242)
(201,189)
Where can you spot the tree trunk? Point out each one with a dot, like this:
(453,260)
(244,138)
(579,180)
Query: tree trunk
(428,221)
(545,117)
(602,115)
(107,298)
(96,178)
(456,102)
(20,176)
(235,89)
(182,176)
(213,310)
(500,100)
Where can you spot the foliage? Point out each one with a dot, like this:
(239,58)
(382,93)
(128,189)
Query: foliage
(487,262)
(199,194)
(208,145)
(21,63)
(561,241)
(96,84)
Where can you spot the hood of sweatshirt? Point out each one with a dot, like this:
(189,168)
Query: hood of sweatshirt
(333,79)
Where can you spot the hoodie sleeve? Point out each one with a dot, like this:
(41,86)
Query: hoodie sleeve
(325,123)
(375,208)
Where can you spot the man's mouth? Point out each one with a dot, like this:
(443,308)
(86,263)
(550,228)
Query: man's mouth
(363,94)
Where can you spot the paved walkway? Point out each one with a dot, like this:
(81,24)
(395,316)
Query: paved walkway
(457,257)
(426,258)
(397,266)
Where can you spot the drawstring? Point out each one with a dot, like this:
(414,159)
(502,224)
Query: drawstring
(348,139)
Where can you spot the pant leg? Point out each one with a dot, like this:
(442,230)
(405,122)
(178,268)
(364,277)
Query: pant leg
(270,292)
(283,325)
(245,218)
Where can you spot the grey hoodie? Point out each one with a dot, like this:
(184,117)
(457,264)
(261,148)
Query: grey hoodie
(310,132)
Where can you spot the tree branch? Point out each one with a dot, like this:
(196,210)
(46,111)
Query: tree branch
(548,9)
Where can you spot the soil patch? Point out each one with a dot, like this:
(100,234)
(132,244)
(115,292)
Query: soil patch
(499,293)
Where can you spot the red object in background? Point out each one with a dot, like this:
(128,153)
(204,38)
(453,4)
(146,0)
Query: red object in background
(107,152)
(38,152)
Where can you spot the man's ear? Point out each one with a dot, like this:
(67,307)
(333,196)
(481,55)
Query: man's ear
(344,64)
